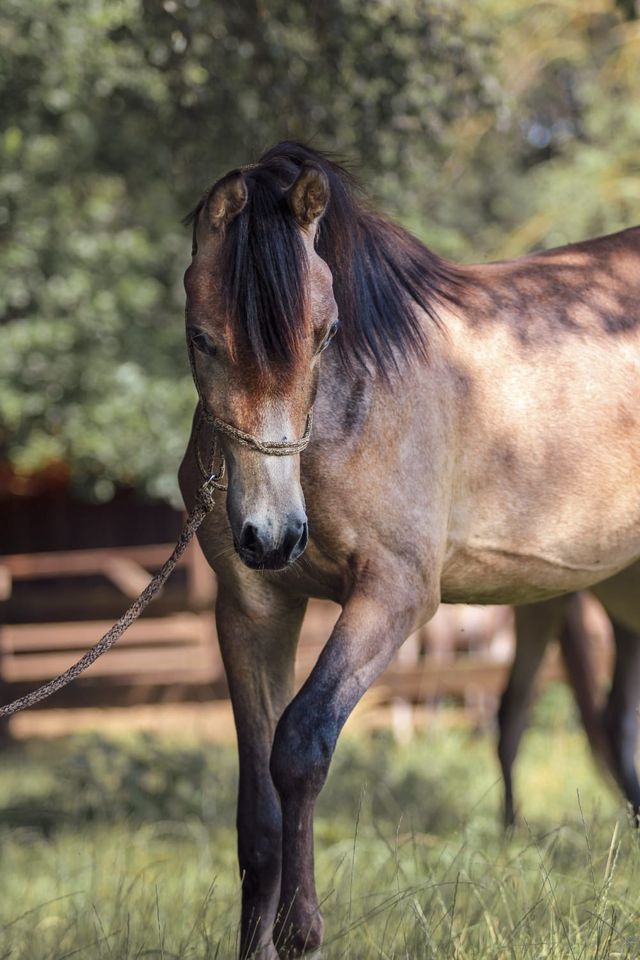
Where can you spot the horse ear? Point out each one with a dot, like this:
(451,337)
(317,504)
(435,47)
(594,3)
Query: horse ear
(227,200)
(309,195)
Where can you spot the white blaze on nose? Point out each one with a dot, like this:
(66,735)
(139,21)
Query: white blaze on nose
(278,494)
(276,422)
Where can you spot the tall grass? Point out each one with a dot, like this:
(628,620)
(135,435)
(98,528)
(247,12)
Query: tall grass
(125,849)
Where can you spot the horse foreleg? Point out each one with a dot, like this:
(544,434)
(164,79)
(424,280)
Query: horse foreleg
(535,624)
(362,643)
(258,643)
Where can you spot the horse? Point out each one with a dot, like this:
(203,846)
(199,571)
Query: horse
(611,729)
(397,430)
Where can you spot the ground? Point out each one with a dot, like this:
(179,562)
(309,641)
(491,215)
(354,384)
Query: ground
(123,847)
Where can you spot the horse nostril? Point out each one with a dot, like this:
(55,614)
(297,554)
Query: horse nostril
(251,541)
(304,536)
(295,536)
(258,549)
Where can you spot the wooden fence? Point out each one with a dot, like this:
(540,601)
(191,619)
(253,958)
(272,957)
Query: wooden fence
(172,654)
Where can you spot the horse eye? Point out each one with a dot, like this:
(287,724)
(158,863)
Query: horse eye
(333,329)
(203,342)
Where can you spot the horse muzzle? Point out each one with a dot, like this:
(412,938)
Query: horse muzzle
(259,550)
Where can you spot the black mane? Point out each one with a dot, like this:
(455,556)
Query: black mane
(380,271)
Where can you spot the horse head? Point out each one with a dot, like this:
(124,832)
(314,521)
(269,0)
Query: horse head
(260,311)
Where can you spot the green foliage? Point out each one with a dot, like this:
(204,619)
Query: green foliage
(570,73)
(92,369)
(116,116)
(489,128)
(96,779)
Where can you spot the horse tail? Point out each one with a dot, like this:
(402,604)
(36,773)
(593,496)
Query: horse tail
(577,650)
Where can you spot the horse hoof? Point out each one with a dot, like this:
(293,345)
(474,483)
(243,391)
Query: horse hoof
(300,937)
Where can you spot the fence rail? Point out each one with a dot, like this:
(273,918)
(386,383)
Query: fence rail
(464,653)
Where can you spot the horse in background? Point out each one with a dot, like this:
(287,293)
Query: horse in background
(471,434)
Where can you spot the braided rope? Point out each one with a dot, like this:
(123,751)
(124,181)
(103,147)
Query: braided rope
(270,448)
(204,503)
(214,454)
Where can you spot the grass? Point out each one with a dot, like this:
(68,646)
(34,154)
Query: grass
(122,849)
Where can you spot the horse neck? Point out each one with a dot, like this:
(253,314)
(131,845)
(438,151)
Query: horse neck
(364,415)
(344,400)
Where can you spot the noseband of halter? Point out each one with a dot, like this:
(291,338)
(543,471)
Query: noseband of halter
(269,448)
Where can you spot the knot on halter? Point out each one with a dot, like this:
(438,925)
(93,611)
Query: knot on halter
(270,448)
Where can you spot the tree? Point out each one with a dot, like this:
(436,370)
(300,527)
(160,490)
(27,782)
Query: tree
(116,117)
(487,128)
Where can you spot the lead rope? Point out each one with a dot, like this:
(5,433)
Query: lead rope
(203,505)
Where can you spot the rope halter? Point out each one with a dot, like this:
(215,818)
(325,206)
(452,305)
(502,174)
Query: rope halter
(269,448)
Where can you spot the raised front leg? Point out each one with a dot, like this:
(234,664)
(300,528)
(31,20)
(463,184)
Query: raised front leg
(258,640)
(363,642)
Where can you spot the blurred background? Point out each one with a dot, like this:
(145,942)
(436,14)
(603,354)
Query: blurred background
(489,129)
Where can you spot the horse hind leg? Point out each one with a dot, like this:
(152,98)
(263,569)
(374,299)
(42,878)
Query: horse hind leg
(621,714)
(535,625)
(621,599)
